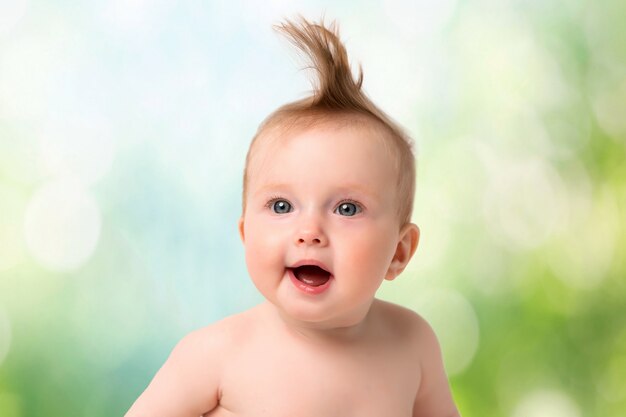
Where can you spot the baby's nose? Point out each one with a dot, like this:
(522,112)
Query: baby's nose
(311,234)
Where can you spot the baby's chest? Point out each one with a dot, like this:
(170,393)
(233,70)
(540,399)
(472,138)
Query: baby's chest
(288,385)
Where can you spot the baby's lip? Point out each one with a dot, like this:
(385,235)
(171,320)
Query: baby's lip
(310,262)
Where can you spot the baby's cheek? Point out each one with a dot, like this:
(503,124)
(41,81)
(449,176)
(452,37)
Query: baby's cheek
(365,255)
(263,250)
(259,255)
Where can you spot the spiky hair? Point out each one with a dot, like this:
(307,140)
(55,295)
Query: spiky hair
(334,87)
(336,97)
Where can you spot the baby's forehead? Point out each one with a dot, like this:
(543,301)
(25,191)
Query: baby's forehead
(268,146)
(334,155)
(279,134)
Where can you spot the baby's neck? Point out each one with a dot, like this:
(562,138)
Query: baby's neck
(325,333)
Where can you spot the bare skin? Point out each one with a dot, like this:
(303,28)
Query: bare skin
(323,198)
(390,365)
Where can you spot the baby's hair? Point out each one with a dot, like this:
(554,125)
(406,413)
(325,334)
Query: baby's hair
(336,98)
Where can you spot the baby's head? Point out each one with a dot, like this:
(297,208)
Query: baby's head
(336,103)
(328,195)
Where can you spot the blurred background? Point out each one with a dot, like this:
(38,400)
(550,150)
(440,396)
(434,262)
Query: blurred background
(123,132)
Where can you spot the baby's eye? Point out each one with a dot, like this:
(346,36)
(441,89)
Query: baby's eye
(348,209)
(280,206)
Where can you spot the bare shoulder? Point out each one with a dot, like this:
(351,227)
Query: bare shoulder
(218,335)
(216,341)
(433,397)
(189,382)
(201,346)
(405,321)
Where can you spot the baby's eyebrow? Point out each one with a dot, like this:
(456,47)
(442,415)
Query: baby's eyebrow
(272,186)
(355,188)
(348,188)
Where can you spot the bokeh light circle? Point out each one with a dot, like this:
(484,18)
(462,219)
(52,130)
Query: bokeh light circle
(454,320)
(525,202)
(547,403)
(81,147)
(62,225)
(28,68)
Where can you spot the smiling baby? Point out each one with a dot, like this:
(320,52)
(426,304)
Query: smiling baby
(327,201)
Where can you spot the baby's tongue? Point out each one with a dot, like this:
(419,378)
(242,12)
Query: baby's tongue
(312,275)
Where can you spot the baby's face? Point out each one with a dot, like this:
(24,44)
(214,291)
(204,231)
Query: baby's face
(321,225)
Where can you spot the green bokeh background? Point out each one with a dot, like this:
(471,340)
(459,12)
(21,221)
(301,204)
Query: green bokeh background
(123,131)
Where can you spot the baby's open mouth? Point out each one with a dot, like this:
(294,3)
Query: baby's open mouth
(311,275)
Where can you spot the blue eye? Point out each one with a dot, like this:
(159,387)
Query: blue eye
(347,209)
(280,206)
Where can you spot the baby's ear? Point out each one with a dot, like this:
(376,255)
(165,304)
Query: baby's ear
(407,244)
(241,232)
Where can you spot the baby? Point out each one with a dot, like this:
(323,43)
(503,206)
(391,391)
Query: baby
(327,201)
